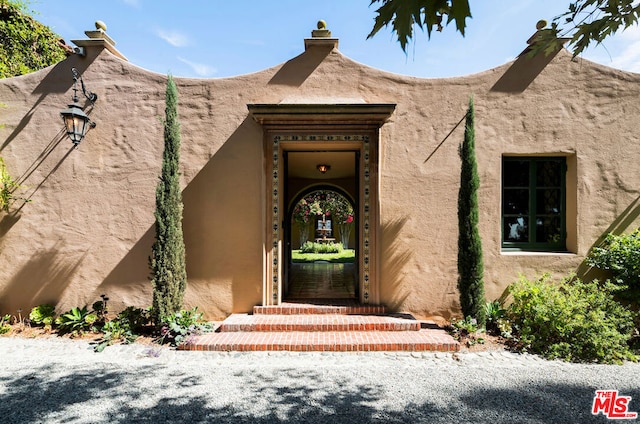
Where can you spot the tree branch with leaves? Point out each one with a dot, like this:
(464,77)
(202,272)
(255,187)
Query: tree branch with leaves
(584,22)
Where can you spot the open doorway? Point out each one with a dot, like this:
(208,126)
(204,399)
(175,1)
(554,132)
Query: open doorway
(321,226)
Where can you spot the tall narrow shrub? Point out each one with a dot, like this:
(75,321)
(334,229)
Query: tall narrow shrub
(470,266)
(168,269)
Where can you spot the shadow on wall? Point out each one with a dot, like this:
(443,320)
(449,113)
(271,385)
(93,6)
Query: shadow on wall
(395,256)
(617,227)
(23,123)
(522,72)
(222,230)
(7,222)
(43,279)
(129,280)
(223,219)
(295,71)
(58,80)
(445,138)
(46,177)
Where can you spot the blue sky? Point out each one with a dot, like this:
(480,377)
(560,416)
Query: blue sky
(221,38)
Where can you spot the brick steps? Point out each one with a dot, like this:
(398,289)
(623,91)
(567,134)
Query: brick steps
(336,327)
(349,308)
(316,322)
(336,341)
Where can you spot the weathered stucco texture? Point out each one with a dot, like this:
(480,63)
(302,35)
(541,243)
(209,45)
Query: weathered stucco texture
(89,225)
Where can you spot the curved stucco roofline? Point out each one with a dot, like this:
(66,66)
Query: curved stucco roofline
(564,53)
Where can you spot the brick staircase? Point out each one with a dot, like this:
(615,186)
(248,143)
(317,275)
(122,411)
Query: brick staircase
(306,327)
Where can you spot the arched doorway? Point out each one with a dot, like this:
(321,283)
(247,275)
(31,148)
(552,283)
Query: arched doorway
(322,244)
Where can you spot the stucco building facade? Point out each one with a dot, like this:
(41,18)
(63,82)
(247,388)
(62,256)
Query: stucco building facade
(557,146)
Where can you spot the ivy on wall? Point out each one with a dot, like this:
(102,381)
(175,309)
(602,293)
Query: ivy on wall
(26,45)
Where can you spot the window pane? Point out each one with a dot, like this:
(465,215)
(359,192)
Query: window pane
(515,201)
(548,173)
(548,229)
(548,201)
(533,202)
(516,229)
(515,173)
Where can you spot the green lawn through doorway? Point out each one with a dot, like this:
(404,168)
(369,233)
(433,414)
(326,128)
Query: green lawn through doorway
(346,256)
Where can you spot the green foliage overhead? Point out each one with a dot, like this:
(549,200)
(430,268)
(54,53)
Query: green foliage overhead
(25,44)
(404,15)
(585,21)
(470,265)
(571,320)
(588,21)
(168,267)
(323,202)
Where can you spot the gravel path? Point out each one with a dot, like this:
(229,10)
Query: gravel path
(64,381)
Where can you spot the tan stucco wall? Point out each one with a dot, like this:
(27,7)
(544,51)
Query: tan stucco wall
(89,226)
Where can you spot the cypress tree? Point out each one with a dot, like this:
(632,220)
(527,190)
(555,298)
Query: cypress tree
(168,268)
(470,265)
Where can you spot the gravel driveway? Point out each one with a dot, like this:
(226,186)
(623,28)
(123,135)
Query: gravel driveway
(63,381)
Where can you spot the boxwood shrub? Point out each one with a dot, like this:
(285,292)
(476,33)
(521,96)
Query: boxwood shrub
(311,247)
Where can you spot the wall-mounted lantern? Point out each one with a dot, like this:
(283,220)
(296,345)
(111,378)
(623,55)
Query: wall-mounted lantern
(76,122)
(323,168)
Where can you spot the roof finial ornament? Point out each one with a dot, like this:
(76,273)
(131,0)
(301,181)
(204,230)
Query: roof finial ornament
(322,31)
(540,25)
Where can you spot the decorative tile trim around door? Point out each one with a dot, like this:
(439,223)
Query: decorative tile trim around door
(275,199)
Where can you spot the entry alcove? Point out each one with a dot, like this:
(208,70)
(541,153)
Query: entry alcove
(353,127)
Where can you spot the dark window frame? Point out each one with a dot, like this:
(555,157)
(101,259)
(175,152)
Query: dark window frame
(533,215)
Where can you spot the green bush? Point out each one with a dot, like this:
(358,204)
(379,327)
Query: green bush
(311,247)
(5,324)
(113,331)
(620,255)
(125,327)
(571,320)
(494,313)
(137,319)
(178,327)
(77,320)
(43,315)
(467,331)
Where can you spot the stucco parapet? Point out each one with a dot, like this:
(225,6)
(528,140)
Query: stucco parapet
(321,42)
(100,42)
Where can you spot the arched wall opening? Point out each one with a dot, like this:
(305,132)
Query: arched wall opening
(305,212)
